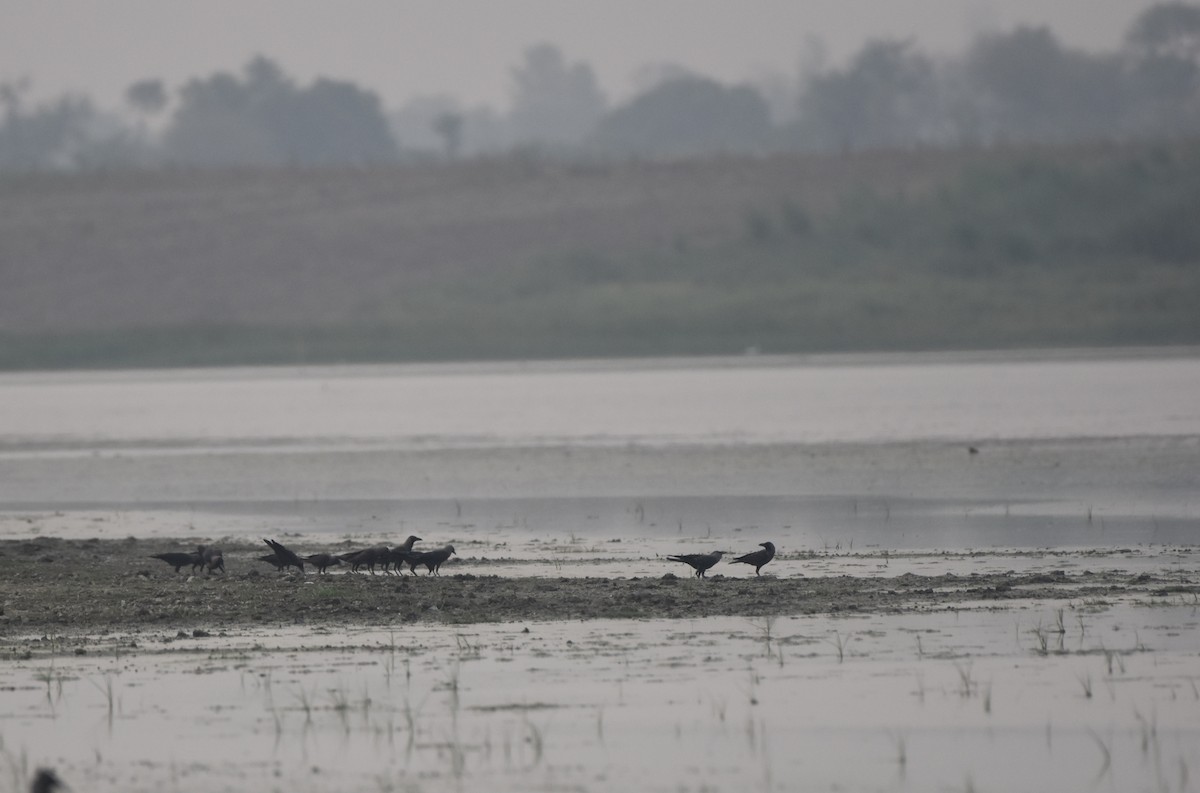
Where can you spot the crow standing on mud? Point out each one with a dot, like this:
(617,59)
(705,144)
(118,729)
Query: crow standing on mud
(402,553)
(211,558)
(367,557)
(273,559)
(757,558)
(179,559)
(381,555)
(700,561)
(321,560)
(432,560)
(286,557)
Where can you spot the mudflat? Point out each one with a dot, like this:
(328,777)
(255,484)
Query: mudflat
(57,586)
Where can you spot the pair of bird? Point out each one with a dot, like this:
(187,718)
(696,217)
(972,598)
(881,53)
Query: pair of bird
(208,558)
(701,562)
(433,560)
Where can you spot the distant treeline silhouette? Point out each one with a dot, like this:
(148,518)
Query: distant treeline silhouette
(1018,86)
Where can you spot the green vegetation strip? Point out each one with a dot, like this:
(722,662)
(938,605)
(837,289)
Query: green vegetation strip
(1031,250)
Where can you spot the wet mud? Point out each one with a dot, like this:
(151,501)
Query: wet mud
(57,586)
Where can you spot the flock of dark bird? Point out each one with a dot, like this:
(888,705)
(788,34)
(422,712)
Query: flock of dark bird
(282,557)
(392,560)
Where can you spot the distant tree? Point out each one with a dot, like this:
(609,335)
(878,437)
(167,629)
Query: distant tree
(887,96)
(779,90)
(554,102)
(148,97)
(1166,30)
(1027,86)
(692,115)
(416,127)
(265,119)
(47,137)
(217,121)
(333,122)
(415,123)
(12,94)
(649,76)
(450,126)
(1163,50)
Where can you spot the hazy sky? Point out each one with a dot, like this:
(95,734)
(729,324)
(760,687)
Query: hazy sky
(402,48)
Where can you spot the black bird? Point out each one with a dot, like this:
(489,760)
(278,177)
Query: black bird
(45,780)
(401,553)
(758,558)
(273,559)
(700,561)
(367,557)
(352,558)
(211,558)
(321,560)
(285,555)
(432,560)
(179,560)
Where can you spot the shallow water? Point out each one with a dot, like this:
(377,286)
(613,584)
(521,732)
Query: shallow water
(941,700)
(872,451)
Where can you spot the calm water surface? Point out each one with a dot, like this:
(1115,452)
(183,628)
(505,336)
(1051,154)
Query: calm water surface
(775,400)
(1074,449)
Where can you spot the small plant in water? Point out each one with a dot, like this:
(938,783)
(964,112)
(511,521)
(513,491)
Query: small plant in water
(901,743)
(754,681)
(536,743)
(452,687)
(965,684)
(718,706)
(767,626)
(341,706)
(1149,730)
(107,691)
(1105,756)
(305,705)
(839,644)
(1043,641)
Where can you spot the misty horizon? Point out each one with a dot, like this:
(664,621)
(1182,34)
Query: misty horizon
(1024,84)
(410,51)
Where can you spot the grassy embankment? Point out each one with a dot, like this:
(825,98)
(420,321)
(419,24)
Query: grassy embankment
(1075,247)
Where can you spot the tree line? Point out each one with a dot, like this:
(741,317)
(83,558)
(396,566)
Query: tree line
(1022,85)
